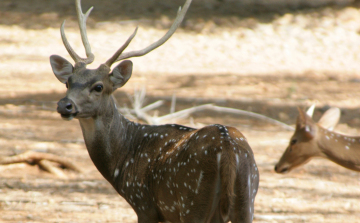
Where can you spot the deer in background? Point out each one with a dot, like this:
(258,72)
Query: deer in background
(318,140)
(167,173)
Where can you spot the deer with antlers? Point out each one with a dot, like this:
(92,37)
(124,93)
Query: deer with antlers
(318,140)
(167,173)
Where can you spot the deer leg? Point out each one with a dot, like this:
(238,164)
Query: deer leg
(217,217)
(204,205)
(243,206)
(147,219)
(149,216)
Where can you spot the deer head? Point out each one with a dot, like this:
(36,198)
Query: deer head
(89,89)
(304,144)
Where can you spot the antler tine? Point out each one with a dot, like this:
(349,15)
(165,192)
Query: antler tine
(82,25)
(67,45)
(112,60)
(179,18)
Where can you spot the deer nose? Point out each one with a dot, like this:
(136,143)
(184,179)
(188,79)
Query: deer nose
(65,106)
(68,107)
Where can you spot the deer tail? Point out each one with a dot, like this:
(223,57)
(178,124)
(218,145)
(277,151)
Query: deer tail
(227,179)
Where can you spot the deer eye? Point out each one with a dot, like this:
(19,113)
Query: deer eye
(293,141)
(98,88)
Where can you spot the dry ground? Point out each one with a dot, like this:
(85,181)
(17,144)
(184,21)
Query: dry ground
(268,63)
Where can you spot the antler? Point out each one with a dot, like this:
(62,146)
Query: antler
(82,25)
(179,18)
(112,60)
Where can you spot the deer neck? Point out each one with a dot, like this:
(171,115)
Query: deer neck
(108,139)
(341,149)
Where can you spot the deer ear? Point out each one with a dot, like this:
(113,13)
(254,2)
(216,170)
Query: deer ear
(301,120)
(62,68)
(330,118)
(309,131)
(306,124)
(121,73)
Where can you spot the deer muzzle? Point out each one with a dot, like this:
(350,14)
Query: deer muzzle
(280,169)
(67,109)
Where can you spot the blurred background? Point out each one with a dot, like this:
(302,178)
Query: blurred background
(262,56)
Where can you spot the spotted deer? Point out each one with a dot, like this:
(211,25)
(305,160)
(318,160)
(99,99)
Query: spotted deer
(317,140)
(167,173)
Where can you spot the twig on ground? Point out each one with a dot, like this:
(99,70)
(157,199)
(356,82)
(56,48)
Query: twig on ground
(186,113)
(44,160)
(138,110)
(141,112)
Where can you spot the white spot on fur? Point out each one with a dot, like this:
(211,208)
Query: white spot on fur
(199,182)
(116,172)
(237,160)
(218,159)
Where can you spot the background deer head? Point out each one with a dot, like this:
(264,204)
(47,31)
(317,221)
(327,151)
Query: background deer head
(304,144)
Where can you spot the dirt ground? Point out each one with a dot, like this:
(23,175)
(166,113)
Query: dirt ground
(260,61)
